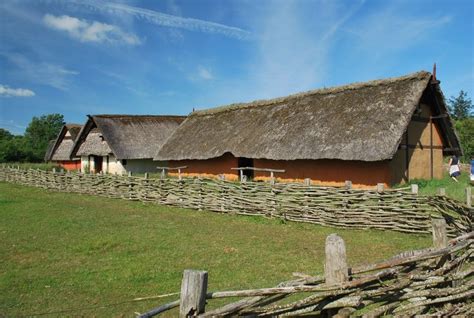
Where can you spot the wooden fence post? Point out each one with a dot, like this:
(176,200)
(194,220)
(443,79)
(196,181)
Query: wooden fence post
(469,197)
(307,182)
(348,184)
(193,293)
(379,187)
(440,237)
(414,188)
(335,267)
(442,191)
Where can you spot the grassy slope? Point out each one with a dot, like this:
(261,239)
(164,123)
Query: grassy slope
(61,251)
(455,190)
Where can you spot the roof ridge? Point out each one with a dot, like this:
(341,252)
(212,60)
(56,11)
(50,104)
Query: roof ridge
(318,91)
(127,115)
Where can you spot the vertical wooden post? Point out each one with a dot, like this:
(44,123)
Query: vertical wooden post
(335,267)
(348,184)
(242,176)
(54,170)
(414,188)
(469,197)
(442,191)
(307,182)
(179,173)
(162,174)
(146,175)
(272,178)
(193,293)
(440,237)
(379,187)
(129,173)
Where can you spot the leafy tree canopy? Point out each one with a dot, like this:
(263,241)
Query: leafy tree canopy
(460,107)
(40,131)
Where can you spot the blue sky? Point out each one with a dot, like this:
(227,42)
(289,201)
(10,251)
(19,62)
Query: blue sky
(167,57)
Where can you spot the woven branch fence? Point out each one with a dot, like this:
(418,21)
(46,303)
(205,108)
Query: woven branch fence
(435,282)
(391,209)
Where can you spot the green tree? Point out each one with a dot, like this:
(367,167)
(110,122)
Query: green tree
(5,134)
(460,107)
(39,132)
(465,130)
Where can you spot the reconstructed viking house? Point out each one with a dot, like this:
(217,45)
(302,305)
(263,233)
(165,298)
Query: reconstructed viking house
(385,131)
(60,148)
(121,143)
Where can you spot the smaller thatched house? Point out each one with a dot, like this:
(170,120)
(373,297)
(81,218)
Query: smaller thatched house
(123,143)
(385,131)
(59,149)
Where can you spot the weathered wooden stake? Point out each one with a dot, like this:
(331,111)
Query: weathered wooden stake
(193,293)
(307,182)
(469,197)
(54,170)
(129,173)
(442,191)
(440,237)
(348,184)
(179,173)
(272,178)
(335,267)
(414,188)
(379,187)
(146,175)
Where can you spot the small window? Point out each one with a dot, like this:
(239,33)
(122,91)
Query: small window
(124,162)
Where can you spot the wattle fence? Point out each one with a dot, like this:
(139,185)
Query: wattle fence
(392,209)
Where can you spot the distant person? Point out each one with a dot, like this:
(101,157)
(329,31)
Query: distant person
(454,170)
(472,169)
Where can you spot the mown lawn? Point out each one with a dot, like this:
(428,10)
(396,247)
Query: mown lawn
(61,252)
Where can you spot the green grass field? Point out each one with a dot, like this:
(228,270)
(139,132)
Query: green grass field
(62,252)
(455,190)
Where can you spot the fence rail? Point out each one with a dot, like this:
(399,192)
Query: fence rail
(393,209)
(438,281)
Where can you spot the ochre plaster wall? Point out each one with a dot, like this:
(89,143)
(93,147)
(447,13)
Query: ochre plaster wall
(208,168)
(327,172)
(419,152)
(70,165)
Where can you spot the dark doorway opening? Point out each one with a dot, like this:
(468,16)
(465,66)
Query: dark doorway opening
(98,160)
(246,162)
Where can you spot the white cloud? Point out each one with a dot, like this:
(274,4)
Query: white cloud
(94,31)
(6,91)
(41,72)
(162,19)
(204,73)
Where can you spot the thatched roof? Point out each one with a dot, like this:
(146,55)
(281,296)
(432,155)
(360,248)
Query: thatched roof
(125,136)
(362,121)
(60,148)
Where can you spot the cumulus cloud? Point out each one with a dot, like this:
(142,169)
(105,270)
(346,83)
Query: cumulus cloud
(94,31)
(6,91)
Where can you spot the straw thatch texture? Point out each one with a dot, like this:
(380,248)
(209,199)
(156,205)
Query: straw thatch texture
(61,147)
(94,144)
(126,136)
(363,122)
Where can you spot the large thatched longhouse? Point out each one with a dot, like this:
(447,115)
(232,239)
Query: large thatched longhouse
(121,143)
(60,148)
(385,131)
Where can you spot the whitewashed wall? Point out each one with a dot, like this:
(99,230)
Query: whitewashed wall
(114,166)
